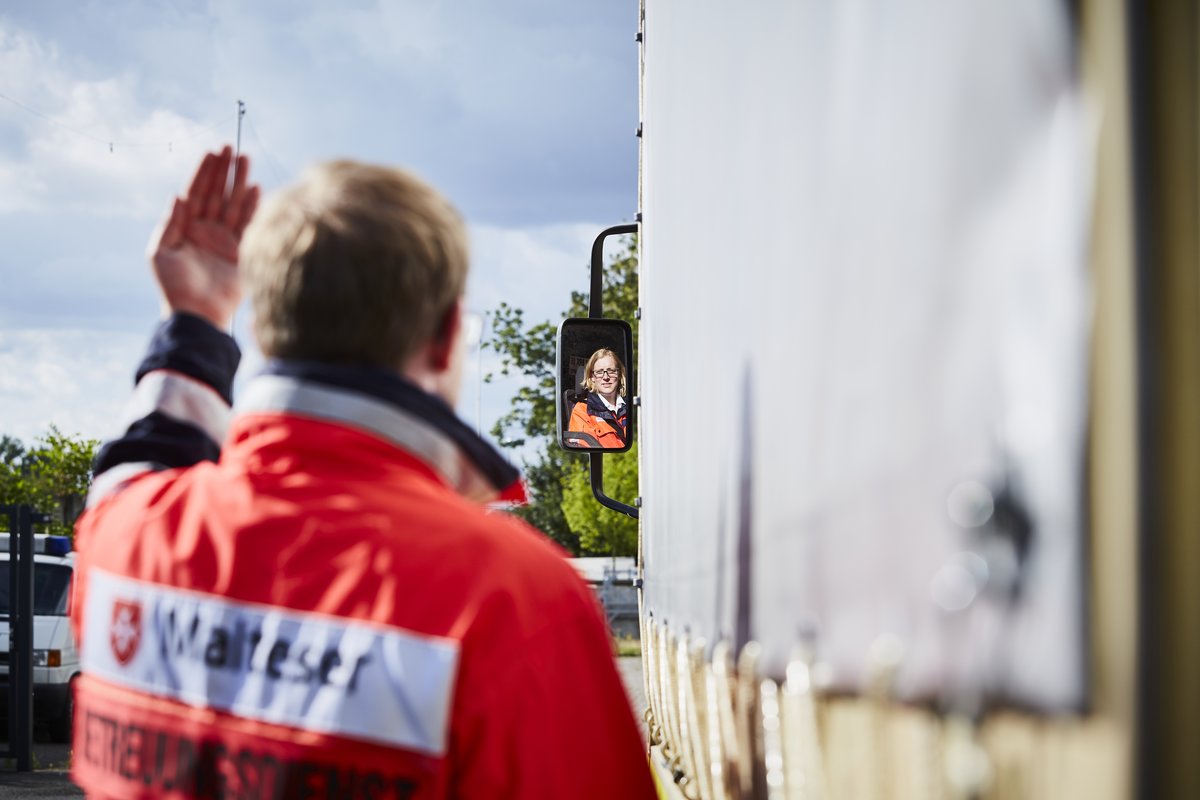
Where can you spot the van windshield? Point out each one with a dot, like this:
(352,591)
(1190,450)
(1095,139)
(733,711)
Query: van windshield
(51,586)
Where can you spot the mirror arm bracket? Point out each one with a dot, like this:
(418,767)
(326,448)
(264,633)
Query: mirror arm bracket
(596,311)
(597,462)
(596,296)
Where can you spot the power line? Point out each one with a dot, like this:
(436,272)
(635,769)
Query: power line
(111,143)
(51,120)
(272,163)
(276,168)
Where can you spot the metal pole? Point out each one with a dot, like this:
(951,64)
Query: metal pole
(20,662)
(12,512)
(241,113)
(479,375)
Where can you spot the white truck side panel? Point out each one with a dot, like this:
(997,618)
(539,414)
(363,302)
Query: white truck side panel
(865,313)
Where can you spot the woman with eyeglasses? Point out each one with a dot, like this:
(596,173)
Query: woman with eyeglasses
(602,416)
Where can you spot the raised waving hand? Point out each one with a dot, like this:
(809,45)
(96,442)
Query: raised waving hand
(195,251)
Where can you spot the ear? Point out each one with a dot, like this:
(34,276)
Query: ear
(441,349)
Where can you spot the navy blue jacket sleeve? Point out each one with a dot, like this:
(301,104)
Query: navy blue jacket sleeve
(182,395)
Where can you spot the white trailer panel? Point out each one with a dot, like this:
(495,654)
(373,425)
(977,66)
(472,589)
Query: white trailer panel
(865,313)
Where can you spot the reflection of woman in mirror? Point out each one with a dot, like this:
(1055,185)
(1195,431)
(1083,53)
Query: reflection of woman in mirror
(603,414)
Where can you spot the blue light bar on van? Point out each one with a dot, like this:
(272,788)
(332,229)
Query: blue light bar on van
(42,543)
(57,546)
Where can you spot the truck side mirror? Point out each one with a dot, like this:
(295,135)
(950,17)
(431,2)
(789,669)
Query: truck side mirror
(595,385)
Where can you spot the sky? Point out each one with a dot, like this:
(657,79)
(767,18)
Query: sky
(523,113)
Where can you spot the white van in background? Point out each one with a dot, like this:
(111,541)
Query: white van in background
(55,658)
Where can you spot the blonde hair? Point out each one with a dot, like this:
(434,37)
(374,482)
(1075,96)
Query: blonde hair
(354,264)
(591,363)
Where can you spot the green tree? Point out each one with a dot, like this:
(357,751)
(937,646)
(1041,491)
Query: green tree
(12,454)
(527,350)
(11,449)
(53,476)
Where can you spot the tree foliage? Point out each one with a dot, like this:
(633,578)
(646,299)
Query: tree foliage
(527,350)
(12,453)
(52,476)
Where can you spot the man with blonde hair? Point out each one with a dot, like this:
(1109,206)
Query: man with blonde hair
(309,599)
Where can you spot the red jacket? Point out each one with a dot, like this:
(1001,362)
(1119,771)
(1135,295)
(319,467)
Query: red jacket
(322,613)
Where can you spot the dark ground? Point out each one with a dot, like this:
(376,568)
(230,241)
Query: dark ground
(49,778)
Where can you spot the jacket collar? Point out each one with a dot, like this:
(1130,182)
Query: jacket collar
(387,406)
(597,407)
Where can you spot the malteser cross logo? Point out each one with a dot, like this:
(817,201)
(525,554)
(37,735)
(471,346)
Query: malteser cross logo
(126,632)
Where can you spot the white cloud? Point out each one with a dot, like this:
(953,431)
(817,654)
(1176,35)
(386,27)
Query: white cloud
(76,380)
(79,380)
(522,113)
(387,33)
(90,145)
(534,269)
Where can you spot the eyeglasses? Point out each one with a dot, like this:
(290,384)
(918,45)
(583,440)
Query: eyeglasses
(605,373)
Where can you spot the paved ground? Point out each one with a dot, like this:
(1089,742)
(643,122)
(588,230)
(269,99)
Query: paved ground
(51,784)
(631,673)
(51,762)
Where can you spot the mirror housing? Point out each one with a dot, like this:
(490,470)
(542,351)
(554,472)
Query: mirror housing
(584,403)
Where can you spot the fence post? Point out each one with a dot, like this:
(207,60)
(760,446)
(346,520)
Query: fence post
(20,635)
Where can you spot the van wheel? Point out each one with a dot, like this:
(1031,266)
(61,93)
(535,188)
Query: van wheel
(60,728)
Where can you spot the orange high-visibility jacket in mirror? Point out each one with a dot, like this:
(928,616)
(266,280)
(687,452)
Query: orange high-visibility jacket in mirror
(594,418)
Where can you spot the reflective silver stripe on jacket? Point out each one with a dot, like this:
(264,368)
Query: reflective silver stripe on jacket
(288,395)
